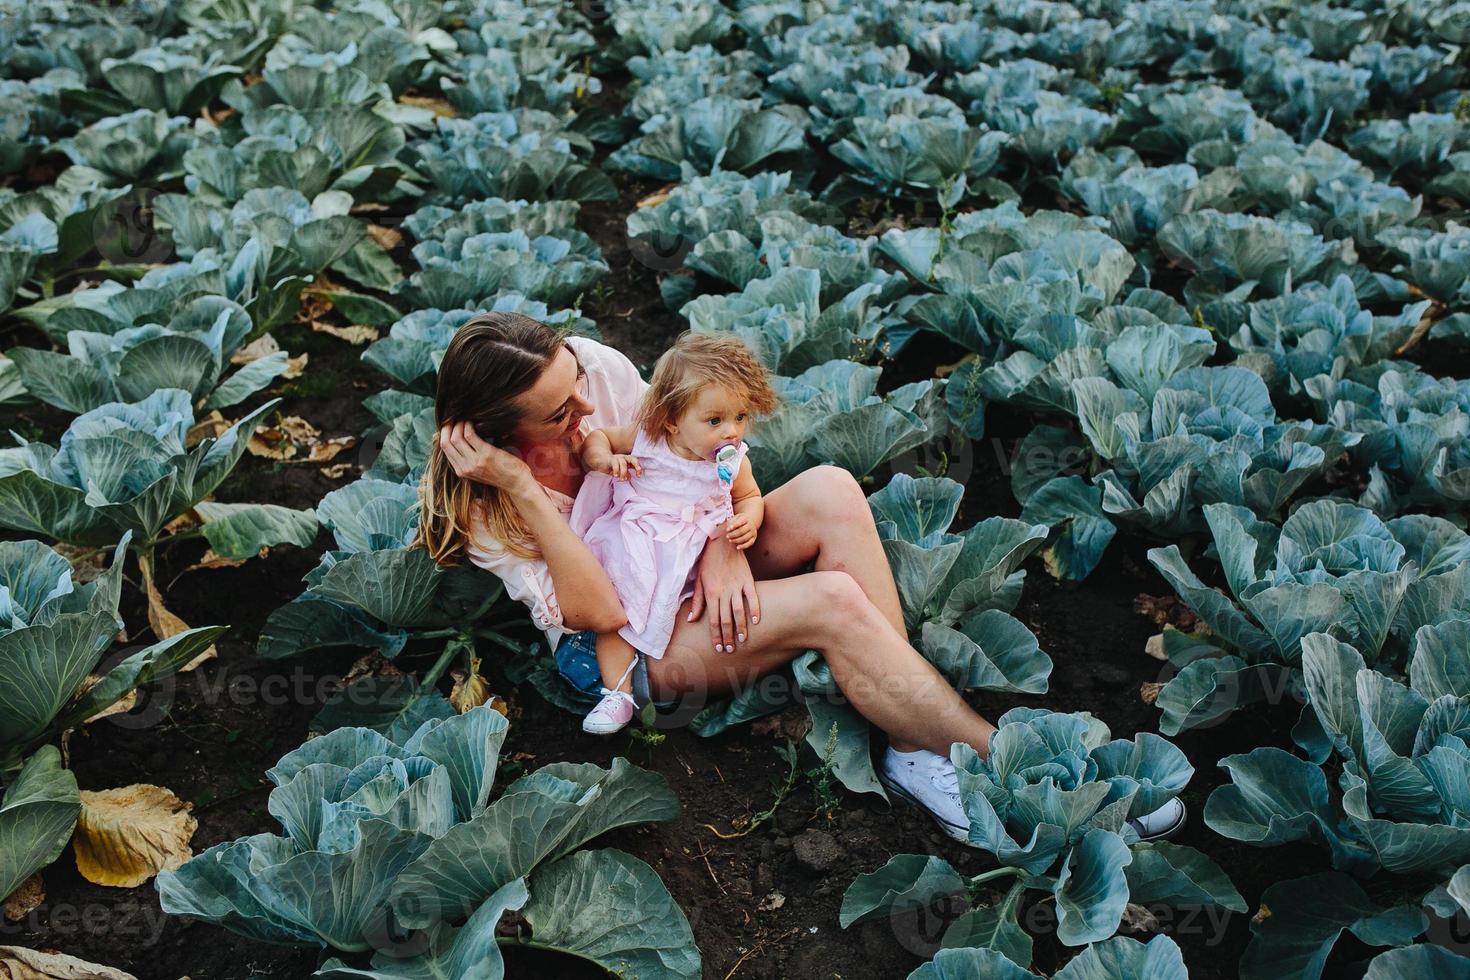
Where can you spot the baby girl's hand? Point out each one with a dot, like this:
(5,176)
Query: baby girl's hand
(740,532)
(619,465)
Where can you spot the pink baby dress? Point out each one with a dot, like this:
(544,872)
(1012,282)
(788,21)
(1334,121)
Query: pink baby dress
(648,531)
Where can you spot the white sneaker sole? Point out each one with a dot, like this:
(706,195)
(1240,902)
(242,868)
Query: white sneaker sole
(953,832)
(596,728)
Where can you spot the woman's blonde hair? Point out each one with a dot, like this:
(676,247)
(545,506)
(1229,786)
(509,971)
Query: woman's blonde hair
(695,362)
(491,360)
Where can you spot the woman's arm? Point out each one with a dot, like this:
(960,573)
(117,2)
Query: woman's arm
(583,590)
(586,595)
(725,587)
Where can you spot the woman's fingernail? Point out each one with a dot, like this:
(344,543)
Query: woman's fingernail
(754,620)
(740,637)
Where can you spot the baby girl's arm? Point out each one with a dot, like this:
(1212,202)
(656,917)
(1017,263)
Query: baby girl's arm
(607,451)
(749,507)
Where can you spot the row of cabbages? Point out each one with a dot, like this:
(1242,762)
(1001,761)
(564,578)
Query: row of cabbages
(1248,171)
(278,191)
(1277,173)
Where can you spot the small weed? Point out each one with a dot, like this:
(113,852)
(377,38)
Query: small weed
(647,731)
(744,827)
(824,780)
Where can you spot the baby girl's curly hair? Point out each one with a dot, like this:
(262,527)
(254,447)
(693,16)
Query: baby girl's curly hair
(694,362)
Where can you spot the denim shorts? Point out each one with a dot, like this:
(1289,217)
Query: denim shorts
(576,660)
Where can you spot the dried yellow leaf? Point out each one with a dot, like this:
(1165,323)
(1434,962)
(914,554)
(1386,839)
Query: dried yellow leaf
(163,622)
(357,336)
(212,560)
(388,238)
(127,835)
(262,346)
(212,426)
(122,706)
(19,963)
(338,470)
(295,366)
(1149,692)
(469,691)
(25,899)
(1154,647)
(657,197)
(439,107)
(324,451)
(86,563)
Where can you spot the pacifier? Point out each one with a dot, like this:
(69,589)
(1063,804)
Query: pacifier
(726,460)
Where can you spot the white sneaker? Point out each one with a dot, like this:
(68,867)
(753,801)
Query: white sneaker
(1163,823)
(610,714)
(928,780)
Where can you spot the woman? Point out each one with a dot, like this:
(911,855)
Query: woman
(515,399)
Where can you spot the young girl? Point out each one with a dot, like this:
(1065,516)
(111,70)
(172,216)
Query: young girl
(656,490)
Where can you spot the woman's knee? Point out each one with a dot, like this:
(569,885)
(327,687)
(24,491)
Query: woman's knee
(841,601)
(831,495)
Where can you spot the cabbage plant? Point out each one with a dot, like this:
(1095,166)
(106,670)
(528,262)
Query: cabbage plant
(167,77)
(1331,567)
(493,247)
(670,226)
(124,363)
(1119,958)
(784,320)
(1413,428)
(1237,253)
(374,590)
(144,144)
(712,134)
(1207,435)
(665,80)
(1399,745)
(1051,802)
(1004,268)
(1318,329)
(131,468)
(904,154)
(1399,751)
(832,413)
(38,812)
(392,846)
(54,634)
(519,154)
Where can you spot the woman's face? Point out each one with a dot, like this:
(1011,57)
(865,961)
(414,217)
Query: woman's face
(553,407)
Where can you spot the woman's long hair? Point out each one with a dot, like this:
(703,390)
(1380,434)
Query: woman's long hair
(491,360)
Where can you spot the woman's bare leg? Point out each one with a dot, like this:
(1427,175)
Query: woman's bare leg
(886,680)
(822,516)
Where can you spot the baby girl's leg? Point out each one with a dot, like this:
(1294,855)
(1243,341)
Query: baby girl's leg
(614,655)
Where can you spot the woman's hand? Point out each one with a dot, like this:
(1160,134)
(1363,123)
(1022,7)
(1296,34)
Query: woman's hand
(472,458)
(724,586)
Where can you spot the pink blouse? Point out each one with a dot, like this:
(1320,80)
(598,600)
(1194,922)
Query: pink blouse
(615,389)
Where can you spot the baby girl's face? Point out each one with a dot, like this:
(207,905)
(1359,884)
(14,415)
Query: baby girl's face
(717,417)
